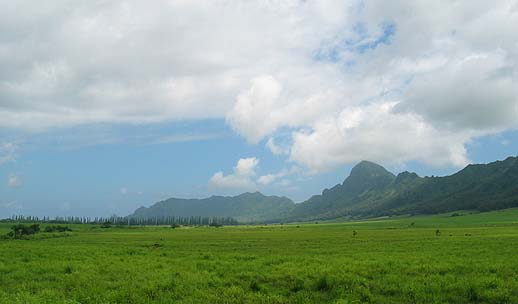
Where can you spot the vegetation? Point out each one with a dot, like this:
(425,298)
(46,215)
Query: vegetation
(247,207)
(369,191)
(372,191)
(107,222)
(389,260)
(56,228)
(19,231)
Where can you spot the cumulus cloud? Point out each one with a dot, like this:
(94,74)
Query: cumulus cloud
(476,92)
(241,178)
(14,181)
(245,177)
(124,61)
(271,178)
(275,148)
(376,133)
(385,80)
(254,114)
(414,86)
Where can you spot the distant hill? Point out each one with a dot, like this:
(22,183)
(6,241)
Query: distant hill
(371,190)
(247,207)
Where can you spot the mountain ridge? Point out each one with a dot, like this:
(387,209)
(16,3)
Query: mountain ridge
(370,190)
(245,207)
(478,186)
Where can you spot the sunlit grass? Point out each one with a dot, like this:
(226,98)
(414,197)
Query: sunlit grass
(398,260)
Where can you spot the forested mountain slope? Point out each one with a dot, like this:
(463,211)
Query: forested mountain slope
(246,207)
(371,190)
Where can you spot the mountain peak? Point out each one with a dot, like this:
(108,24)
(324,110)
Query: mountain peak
(366,168)
(366,176)
(405,177)
(252,194)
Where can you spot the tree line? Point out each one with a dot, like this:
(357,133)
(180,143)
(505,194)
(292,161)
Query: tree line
(129,221)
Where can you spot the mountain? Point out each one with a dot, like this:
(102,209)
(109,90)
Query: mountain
(247,207)
(370,190)
(365,178)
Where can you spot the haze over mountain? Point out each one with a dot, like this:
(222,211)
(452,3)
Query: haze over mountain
(369,191)
(247,207)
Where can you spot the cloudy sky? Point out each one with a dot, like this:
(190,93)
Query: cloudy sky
(109,105)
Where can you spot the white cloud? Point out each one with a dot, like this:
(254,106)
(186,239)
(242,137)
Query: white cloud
(246,166)
(450,86)
(14,181)
(242,178)
(254,114)
(7,152)
(379,134)
(269,179)
(323,70)
(275,148)
(171,60)
(476,92)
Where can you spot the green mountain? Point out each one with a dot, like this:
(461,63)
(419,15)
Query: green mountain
(365,179)
(371,190)
(247,207)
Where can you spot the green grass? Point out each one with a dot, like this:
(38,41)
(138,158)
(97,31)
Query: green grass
(474,260)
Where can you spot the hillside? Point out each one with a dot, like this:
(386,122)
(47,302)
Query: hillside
(247,207)
(371,190)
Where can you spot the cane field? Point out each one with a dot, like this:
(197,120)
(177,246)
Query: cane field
(458,257)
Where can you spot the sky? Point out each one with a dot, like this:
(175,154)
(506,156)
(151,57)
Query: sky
(106,106)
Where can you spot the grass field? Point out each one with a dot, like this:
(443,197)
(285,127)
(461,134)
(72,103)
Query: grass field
(402,260)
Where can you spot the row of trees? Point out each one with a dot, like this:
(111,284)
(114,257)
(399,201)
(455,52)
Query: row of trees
(129,221)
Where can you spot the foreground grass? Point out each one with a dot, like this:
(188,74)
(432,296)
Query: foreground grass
(474,259)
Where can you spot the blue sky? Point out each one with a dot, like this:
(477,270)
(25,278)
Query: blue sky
(107,106)
(66,177)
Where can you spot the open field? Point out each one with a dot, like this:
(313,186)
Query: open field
(402,260)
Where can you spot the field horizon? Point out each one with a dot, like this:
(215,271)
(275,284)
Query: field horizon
(457,257)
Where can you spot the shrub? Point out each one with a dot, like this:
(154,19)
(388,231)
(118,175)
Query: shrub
(20,230)
(254,286)
(297,285)
(217,225)
(68,270)
(472,294)
(323,284)
(57,228)
(106,225)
